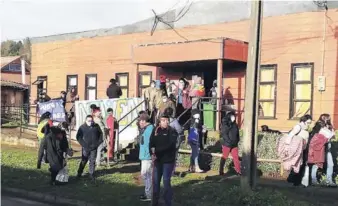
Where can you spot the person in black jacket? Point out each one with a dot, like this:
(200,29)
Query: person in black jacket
(163,149)
(113,91)
(230,140)
(56,145)
(90,137)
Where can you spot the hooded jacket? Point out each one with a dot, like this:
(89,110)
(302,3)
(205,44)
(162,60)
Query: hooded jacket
(113,91)
(229,132)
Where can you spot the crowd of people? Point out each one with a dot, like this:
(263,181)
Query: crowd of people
(161,132)
(304,151)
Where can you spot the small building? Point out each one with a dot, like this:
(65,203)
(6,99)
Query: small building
(299,73)
(11,70)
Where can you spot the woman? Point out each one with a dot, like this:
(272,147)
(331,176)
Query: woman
(319,149)
(195,132)
(230,140)
(292,150)
(183,101)
(196,93)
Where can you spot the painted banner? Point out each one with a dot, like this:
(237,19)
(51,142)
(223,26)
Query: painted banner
(55,107)
(120,107)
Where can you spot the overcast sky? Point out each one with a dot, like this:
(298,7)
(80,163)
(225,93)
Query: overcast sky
(32,18)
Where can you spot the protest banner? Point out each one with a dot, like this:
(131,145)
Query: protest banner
(55,107)
(121,107)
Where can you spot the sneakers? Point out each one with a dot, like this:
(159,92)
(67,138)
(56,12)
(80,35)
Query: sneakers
(144,198)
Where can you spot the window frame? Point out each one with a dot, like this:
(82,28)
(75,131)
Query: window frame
(77,82)
(141,87)
(87,76)
(294,66)
(123,87)
(274,100)
(42,79)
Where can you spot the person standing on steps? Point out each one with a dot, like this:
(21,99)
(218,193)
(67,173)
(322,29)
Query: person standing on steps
(113,90)
(230,140)
(90,137)
(145,157)
(163,150)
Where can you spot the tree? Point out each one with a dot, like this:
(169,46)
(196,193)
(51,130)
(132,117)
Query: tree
(13,48)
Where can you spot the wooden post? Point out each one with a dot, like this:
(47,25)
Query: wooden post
(219,92)
(249,163)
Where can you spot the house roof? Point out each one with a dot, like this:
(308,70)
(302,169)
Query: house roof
(7,60)
(5,83)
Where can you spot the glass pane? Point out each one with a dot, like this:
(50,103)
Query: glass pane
(267,91)
(72,81)
(303,74)
(124,93)
(303,91)
(267,75)
(91,94)
(123,80)
(266,109)
(91,81)
(300,109)
(145,78)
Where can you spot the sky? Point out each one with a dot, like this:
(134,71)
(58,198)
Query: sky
(33,18)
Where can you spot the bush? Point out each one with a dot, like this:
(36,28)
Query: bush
(266,149)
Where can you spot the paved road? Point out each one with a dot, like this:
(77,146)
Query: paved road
(16,201)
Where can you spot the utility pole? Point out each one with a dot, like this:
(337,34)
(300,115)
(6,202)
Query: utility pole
(249,160)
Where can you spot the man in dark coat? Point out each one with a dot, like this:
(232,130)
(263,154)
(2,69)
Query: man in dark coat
(90,137)
(113,91)
(56,145)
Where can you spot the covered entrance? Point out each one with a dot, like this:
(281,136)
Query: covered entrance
(209,59)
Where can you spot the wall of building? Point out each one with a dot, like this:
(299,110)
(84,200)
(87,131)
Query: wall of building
(287,39)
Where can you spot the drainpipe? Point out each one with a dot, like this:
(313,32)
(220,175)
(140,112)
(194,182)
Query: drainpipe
(23,71)
(323,54)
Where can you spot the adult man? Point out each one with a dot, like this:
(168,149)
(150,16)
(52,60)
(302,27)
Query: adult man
(113,91)
(144,155)
(90,137)
(163,149)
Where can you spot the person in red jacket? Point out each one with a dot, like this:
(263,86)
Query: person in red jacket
(111,125)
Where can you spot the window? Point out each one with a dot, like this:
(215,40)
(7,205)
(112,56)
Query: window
(91,87)
(301,90)
(267,91)
(72,82)
(123,81)
(41,84)
(12,68)
(144,81)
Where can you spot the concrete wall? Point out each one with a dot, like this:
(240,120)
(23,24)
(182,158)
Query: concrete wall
(287,39)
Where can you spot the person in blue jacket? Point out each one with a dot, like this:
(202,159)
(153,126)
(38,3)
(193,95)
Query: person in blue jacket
(145,157)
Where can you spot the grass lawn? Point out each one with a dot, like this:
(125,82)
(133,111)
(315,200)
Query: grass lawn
(120,185)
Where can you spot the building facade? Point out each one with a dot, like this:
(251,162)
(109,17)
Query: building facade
(299,59)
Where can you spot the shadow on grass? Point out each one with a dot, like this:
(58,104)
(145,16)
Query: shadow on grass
(120,189)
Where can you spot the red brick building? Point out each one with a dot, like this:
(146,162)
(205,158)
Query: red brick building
(299,49)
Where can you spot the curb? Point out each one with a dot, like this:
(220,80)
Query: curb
(46,198)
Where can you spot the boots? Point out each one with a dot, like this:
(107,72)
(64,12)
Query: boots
(221,166)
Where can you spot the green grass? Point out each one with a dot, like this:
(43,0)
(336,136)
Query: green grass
(119,185)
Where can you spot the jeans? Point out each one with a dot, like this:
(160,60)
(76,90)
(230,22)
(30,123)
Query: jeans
(146,174)
(99,153)
(234,153)
(329,169)
(195,150)
(165,170)
(87,155)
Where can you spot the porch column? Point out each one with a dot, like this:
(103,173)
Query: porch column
(136,77)
(219,92)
